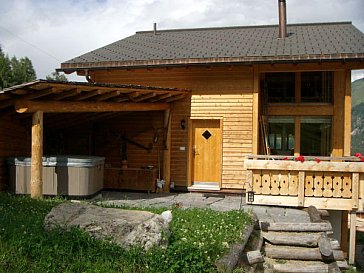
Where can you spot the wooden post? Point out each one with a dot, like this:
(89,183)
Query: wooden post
(301,189)
(352,237)
(297,136)
(256,114)
(347,113)
(355,190)
(344,231)
(338,126)
(167,151)
(36,183)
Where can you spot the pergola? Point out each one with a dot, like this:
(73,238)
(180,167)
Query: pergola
(45,96)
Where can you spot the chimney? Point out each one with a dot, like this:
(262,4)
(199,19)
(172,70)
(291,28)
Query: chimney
(155,28)
(282,19)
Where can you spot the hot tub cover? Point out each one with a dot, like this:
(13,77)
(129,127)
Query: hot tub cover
(60,160)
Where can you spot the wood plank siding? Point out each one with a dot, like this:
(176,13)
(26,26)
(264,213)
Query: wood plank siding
(14,141)
(224,93)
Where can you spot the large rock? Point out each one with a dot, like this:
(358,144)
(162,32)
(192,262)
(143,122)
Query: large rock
(123,227)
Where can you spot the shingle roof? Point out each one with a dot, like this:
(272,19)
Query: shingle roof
(321,41)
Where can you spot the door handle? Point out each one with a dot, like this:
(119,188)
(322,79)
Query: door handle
(195,151)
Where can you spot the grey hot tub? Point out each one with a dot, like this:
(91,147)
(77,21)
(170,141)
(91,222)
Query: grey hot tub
(62,175)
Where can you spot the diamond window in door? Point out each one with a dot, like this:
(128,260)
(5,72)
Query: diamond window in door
(206,134)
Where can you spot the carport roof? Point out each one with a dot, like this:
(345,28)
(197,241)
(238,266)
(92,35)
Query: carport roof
(86,94)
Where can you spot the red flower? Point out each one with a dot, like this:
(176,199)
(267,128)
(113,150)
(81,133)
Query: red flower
(362,158)
(358,154)
(285,158)
(300,158)
(318,160)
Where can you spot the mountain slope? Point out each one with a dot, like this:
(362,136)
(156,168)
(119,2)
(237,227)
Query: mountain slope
(357,91)
(357,119)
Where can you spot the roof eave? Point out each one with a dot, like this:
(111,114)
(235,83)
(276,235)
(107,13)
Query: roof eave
(342,57)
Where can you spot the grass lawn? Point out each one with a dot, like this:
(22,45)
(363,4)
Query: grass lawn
(198,238)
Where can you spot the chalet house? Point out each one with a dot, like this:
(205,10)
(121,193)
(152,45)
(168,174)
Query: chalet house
(261,108)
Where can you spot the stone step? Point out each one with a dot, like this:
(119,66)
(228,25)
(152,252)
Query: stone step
(207,186)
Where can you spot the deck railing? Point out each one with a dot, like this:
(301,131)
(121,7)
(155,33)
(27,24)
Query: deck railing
(324,182)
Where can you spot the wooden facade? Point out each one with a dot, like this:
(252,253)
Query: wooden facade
(227,95)
(231,94)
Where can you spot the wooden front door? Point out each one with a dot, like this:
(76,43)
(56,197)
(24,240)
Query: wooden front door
(207,151)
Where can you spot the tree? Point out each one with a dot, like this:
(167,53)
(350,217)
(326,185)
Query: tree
(14,71)
(5,70)
(55,76)
(22,71)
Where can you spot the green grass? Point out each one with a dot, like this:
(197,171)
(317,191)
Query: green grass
(198,238)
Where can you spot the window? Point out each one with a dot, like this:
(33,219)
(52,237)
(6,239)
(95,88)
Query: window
(291,87)
(315,136)
(290,133)
(316,86)
(281,135)
(279,87)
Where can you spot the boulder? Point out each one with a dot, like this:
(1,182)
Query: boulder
(124,227)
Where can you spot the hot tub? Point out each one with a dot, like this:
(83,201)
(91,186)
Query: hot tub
(62,175)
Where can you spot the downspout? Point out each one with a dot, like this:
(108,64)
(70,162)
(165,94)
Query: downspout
(88,77)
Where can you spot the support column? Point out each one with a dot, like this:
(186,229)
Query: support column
(36,181)
(167,151)
(347,113)
(255,136)
(352,237)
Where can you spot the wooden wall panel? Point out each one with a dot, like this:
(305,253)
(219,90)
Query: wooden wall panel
(140,128)
(217,92)
(14,141)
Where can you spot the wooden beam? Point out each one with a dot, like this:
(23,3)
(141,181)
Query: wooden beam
(174,98)
(277,165)
(298,87)
(36,94)
(347,113)
(66,94)
(167,151)
(145,97)
(86,95)
(162,97)
(74,107)
(297,136)
(338,118)
(323,109)
(292,201)
(255,121)
(352,237)
(355,190)
(344,230)
(108,95)
(301,189)
(36,182)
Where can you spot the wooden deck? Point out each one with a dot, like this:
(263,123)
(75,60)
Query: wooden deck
(334,183)
(326,183)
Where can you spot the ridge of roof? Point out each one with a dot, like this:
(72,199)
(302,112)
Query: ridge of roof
(244,27)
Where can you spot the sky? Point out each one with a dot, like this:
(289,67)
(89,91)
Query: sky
(50,32)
